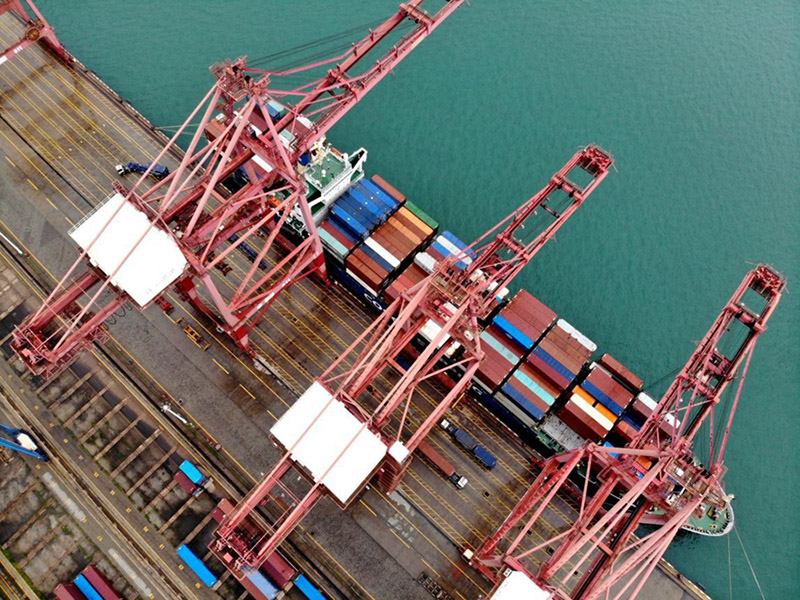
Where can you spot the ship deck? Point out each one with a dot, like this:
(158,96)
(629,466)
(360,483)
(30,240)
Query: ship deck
(61,133)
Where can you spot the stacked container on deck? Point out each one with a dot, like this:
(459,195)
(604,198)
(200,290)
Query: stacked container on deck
(526,394)
(373,233)
(559,358)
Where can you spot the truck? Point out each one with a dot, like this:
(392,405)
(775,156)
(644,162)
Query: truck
(468,443)
(442,464)
(159,171)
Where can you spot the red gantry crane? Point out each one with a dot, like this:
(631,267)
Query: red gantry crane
(351,424)
(658,480)
(36,29)
(138,242)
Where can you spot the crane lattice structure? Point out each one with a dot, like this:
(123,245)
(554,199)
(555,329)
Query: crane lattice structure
(183,229)
(354,420)
(36,29)
(658,480)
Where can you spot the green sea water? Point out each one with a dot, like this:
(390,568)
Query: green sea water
(699,103)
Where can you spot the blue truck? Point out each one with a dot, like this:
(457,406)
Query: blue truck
(159,171)
(468,443)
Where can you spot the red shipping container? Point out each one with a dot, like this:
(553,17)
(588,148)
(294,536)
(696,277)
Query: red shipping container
(570,362)
(223,508)
(388,188)
(580,422)
(188,486)
(618,369)
(415,273)
(68,591)
(100,583)
(606,384)
(625,430)
(279,570)
(337,235)
(528,305)
(548,372)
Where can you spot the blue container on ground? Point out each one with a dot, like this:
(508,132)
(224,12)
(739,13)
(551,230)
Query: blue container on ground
(192,472)
(485,457)
(86,588)
(307,589)
(197,566)
(263,584)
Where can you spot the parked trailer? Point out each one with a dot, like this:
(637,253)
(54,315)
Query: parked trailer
(441,463)
(100,583)
(466,441)
(86,588)
(192,472)
(307,589)
(259,586)
(197,565)
(68,591)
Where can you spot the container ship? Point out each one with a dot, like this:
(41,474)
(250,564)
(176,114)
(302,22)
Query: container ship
(540,376)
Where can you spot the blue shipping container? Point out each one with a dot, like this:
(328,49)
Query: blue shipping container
(356,210)
(347,222)
(389,202)
(556,365)
(308,590)
(263,584)
(485,457)
(376,211)
(511,331)
(192,472)
(377,258)
(86,588)
(522,402)
(602,398)
(197,565)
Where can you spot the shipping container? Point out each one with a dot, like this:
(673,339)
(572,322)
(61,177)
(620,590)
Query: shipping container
(279,570)
(197,566)
(621,372)
(510,330)
(306,588)
(100,583)
(484,457)
(68,591)
(562,434)
(185,483)
(531,408)
(432,223)
(86,588)
(223,508)
(259,586)
(388,188)
(192,472)
(442,464)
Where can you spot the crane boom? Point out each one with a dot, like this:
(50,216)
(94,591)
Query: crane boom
(202,216)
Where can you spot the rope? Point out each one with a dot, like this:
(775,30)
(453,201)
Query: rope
(315,43)
(749,564)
